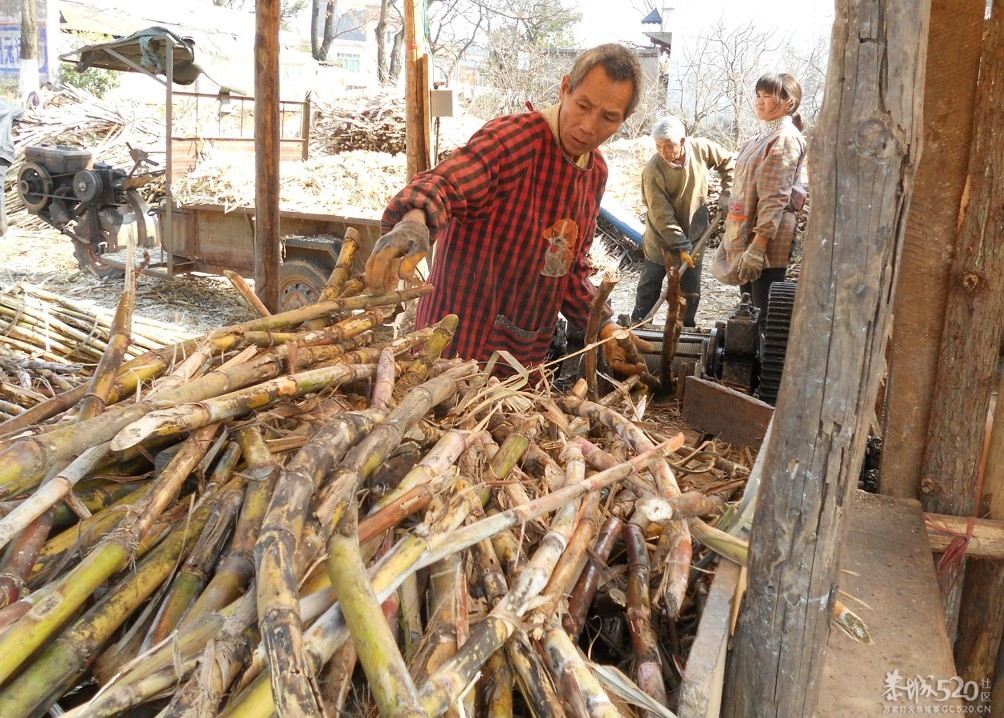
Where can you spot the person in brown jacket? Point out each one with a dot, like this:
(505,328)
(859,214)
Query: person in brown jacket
(674,186)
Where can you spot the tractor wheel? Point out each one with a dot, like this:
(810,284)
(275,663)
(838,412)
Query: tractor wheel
(300,282)
(90,260)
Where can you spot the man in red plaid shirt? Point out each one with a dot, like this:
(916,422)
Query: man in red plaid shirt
(513,214)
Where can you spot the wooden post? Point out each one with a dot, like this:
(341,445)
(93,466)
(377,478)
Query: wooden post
(953,62)
(266,131)
(974,317)
(416,88)
(861,163)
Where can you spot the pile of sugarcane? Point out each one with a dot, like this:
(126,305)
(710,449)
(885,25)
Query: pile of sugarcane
(53,328)
(286,516)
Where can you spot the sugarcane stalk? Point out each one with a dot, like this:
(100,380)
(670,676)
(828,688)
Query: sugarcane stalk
(737,550)
(582,597)
(390,683)
(60,599)
(340,274)
(32,454)
(50,492)
(444,687)
(383,384)
(275,549)
(236,569)
(676,307)
(523,661)
(433,348)
(446,600)
(632,356)
(495,688)
(96,398)
(246,293)
(581,689)
(676,535)
(370,452)
(194,573)
(54,671)
(593,330)
(644,641)
(84,535)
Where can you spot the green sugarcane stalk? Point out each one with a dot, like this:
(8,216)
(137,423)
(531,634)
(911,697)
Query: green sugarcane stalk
(45,681)
(278,579)
(644,640)
(62,598)
(389,681)
(194,573)
(418,372)
(224,656)
(96,398)
(329,632)
(189,417)
(237,568)
(580,687)
(137,692)
(30,455)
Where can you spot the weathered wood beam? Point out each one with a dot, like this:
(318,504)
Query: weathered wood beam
(922,274)
(862,158)
(986,541)
(974,317)
(266,135)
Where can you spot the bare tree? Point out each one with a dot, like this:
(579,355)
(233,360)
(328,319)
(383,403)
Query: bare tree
(327,23)
(714,86)
(389,28)
(288,9)
(809,66)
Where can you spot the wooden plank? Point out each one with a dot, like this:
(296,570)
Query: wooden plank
(888,580)
(871,125)
(701,688)
(726,413)
(974,317)
(953,59)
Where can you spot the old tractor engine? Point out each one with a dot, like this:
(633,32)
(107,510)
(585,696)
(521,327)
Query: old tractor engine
(97,206)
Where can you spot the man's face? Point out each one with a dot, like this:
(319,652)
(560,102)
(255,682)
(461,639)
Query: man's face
(671,150)
(593,111)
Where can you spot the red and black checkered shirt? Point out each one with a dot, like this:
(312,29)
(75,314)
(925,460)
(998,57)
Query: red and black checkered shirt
(513,220)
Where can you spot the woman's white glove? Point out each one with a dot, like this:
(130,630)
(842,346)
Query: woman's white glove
(751,264)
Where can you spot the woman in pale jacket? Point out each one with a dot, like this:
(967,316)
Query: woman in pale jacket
(760,227)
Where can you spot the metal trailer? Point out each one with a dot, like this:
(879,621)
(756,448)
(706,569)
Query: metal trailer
(100,208)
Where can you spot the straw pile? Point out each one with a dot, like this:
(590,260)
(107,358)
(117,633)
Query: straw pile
(357,183)
(358,122)
(291,515)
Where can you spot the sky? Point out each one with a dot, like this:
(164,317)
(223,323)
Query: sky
(613,20)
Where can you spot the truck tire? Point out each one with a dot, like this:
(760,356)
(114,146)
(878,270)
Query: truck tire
(300,282)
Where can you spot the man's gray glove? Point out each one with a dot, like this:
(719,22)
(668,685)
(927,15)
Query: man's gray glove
(751,264)
(396,255)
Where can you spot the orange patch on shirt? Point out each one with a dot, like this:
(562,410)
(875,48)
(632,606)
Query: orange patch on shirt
(563,240)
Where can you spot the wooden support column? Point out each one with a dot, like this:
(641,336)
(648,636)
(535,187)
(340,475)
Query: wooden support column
(953,62)
(861,171)
(416,88)
(974,317)
(266,132)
